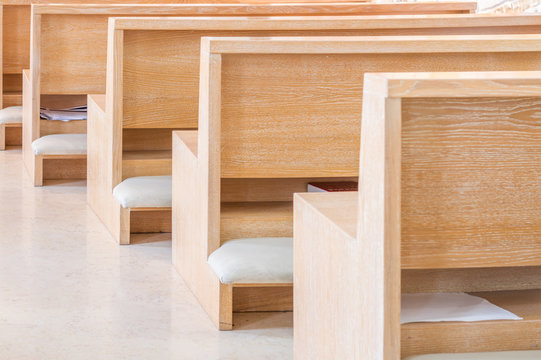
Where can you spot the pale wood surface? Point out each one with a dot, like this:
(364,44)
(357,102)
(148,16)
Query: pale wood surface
(244,87)
(16,38)
(392,122)
(144,101)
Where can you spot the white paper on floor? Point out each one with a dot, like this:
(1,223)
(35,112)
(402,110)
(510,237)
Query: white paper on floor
(435,307)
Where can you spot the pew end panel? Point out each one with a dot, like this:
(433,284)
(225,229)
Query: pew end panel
(465,120)
(325,250)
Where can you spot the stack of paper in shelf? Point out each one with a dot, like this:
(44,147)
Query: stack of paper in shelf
(67,114)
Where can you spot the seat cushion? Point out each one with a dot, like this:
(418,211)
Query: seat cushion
(259,260)
(144,191)
(60,144)
(500,355)
(11,114)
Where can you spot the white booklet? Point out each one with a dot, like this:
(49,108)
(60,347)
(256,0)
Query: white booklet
(436,307)
(67,114)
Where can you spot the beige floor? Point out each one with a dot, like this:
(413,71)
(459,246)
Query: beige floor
(67,291)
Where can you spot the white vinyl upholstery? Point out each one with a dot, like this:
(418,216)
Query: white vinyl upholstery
(144,191)
(258,260)
(500,355)
(60,144)
(11,114)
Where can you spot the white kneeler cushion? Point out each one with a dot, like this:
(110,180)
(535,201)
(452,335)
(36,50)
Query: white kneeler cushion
(145,191)
(499,355)
(250,261)
(60,144)
(11,115)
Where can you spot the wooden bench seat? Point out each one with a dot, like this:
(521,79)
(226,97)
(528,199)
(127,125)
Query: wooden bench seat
(151,106)
(429,141)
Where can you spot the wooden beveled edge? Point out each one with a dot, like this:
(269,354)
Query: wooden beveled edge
(454,84)
(276,8)
(328,22)
(372,44)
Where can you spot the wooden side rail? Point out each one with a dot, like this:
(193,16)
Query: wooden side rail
(409,128)
(144,106)
(305,85)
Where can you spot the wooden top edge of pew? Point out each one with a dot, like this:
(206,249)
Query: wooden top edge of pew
(275,9)
(15,2)
(455,84)
(368,44)
(330,22)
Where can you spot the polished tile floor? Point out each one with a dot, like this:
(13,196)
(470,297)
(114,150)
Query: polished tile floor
(67,291)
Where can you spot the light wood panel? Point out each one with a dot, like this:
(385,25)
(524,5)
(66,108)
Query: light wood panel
(247,83)
(463,133)
(148,92)
(462,163)
(15,38)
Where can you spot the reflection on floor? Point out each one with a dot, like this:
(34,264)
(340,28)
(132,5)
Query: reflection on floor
(67,291)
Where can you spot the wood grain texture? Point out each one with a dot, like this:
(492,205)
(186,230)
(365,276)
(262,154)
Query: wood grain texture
(256,219)
(281,118)
(241,95)
(99,186)
(151,221)
(15,38)
(63,168)
(246,299)
(13,135)
(470,182)
(261,8)
(324,253)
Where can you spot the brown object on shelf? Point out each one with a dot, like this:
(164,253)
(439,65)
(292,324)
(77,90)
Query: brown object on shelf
(333,186)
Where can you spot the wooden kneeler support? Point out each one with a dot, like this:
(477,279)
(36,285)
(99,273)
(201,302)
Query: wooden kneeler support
(449,185)
(267,126)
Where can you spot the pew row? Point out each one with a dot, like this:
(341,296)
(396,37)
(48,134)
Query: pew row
(270,111)
(14,57)
(142,106)
(78,32)
(449,182)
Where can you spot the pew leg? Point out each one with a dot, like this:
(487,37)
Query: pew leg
(226,307)
(124,235)
(2,137)
(38,170)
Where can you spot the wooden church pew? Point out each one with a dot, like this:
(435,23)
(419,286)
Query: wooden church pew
(270,111)
(143,51)
(78,32)
(449,183)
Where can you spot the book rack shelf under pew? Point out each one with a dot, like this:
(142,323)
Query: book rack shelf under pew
(449,184)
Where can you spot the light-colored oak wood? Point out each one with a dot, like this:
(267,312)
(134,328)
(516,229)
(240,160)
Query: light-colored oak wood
(397,108)
(143,103)
(241,91)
